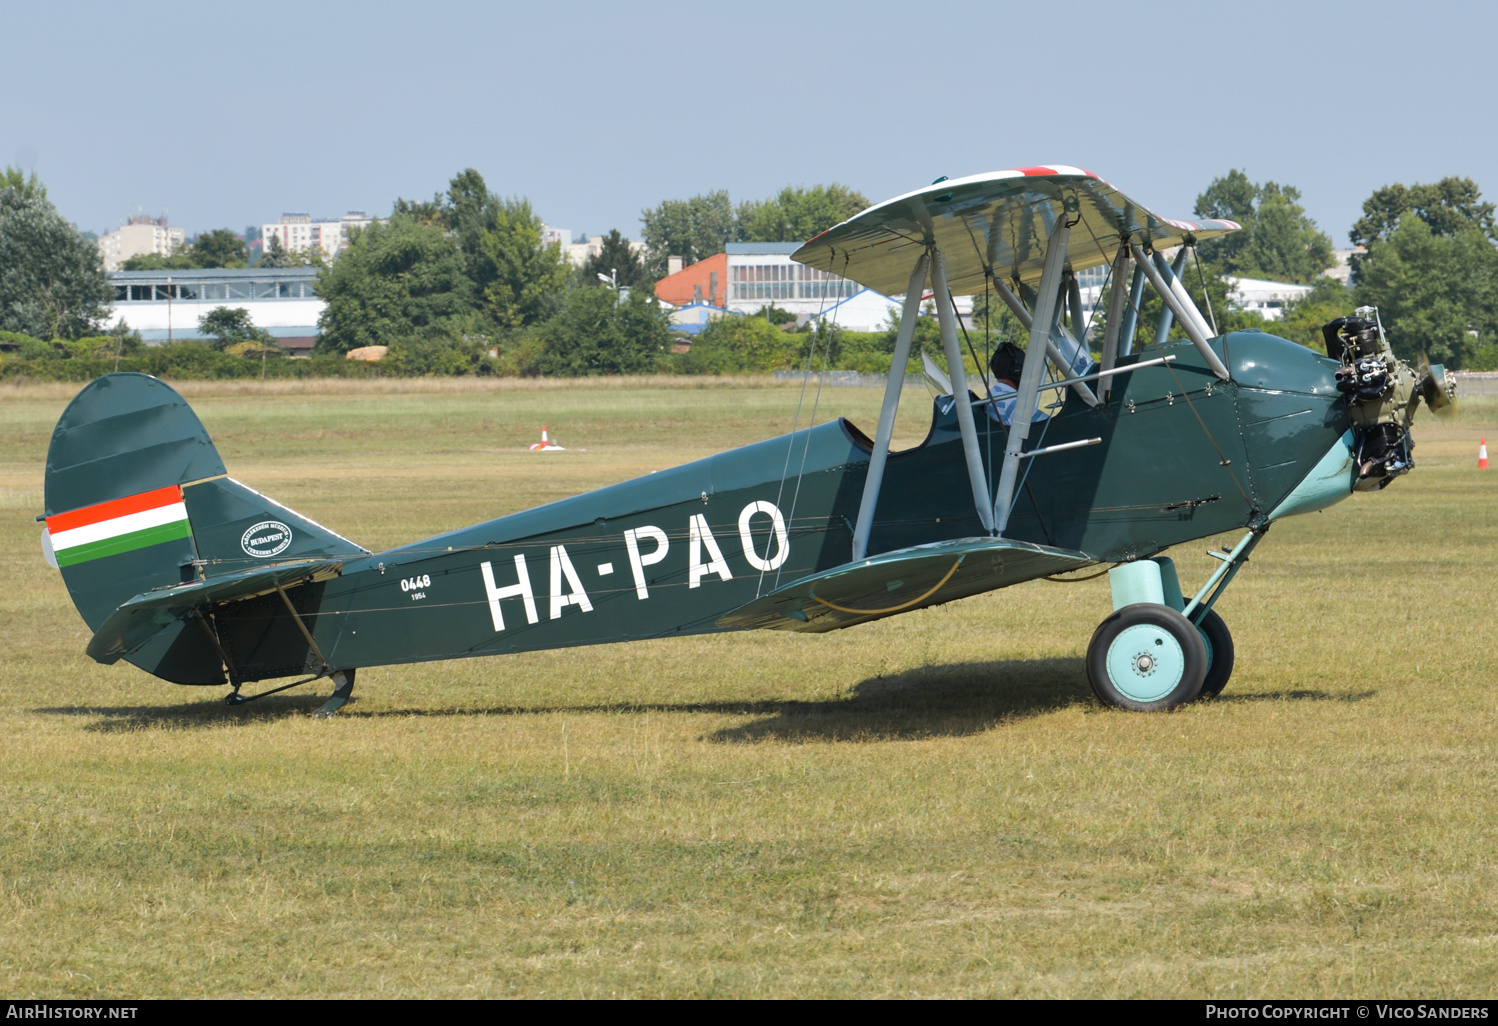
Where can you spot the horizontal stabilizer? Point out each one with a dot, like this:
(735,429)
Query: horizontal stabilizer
(143,617)
(895,582)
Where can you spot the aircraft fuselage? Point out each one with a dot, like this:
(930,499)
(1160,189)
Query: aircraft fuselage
(1183,456)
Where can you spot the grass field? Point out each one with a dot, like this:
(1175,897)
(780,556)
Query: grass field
(932,805)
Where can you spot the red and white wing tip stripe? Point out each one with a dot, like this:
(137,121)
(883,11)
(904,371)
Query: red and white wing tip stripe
(1191,226)
(1055,169)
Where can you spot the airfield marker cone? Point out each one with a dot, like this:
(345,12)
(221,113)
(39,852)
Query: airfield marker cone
(1482,455)
(545,444)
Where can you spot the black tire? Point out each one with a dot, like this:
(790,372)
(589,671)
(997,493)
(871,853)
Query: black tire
(1219,654)
(1146,658)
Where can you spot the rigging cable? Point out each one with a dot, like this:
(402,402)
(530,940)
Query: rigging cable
(790,442)
(811,421)
(1196,255)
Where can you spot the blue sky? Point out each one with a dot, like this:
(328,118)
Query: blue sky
(230,115)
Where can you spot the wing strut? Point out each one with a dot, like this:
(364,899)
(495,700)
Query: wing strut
(1047,294)
(1182,311)
(1173,279)
(1074,306)
(977,476)
(1116,297)
(1131,314)
(1170,273)
(909,315)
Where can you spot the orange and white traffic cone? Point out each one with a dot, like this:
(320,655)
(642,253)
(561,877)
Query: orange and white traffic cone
(1482,455)
(545,444)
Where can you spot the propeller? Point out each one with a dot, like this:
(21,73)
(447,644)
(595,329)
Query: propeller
(1436,387)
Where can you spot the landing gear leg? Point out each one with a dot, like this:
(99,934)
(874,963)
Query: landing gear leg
(343,686)
(1153,582)
(1219,641)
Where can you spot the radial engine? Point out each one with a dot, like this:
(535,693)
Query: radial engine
(1382,393)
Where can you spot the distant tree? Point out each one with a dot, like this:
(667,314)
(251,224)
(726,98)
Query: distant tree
(1278,240)
(469,208)
(1234,198)
(616,258)
(927,336)
(428,212)
(1285,243)
(702,226)
(219,248)
(158,262)
(795,214)
(1301,319)
(228,326)
(1449,207)
(517,280)
(396,280)
(276,255)
(1436,293)
(693,229)
(463,265)
(52,281)
(733,344)
(26,188)
(520,279)
(597,332)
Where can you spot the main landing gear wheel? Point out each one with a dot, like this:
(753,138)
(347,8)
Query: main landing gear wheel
(1219,642)
(1146,658)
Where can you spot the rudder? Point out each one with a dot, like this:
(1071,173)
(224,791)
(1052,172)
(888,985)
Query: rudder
(138,499)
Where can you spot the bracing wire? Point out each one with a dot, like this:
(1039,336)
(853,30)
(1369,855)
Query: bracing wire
(790,442)
(811,421)
(1195,255)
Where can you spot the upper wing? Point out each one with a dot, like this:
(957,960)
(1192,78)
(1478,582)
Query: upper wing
(996,222)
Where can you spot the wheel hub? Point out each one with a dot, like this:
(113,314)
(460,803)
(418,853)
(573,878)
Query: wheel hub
(1145,662)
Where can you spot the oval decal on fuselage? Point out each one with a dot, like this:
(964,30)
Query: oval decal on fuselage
(267,538)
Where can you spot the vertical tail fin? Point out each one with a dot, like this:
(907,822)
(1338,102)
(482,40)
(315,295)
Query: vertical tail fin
(138,499)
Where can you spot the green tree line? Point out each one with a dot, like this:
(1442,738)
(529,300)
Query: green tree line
(1430,266)
(697,228)
(462,283)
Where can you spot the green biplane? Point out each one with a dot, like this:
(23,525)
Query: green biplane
(199,579)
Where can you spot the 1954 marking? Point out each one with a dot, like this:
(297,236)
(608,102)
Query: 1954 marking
(413,585)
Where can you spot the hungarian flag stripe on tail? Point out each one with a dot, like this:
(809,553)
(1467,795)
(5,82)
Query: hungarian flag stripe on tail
(121,525)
